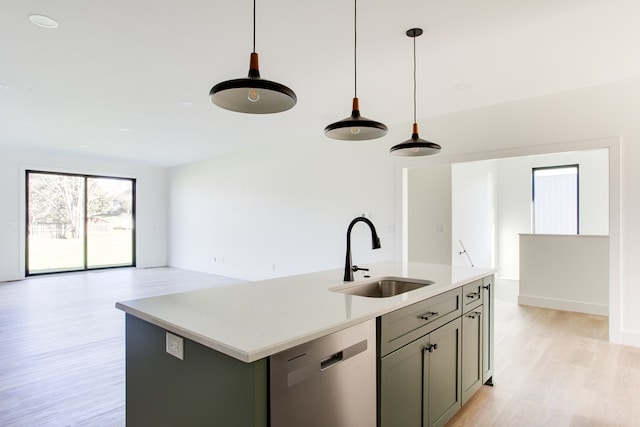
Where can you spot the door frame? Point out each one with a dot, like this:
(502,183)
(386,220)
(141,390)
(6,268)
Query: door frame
(613,144)
(86,177)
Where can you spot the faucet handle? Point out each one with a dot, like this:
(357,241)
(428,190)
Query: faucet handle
(356,268)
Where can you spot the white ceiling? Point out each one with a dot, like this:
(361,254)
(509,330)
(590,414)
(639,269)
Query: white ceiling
(129,64)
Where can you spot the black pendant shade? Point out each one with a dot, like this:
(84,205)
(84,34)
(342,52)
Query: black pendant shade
(253,94)
(415,146)
(355,127)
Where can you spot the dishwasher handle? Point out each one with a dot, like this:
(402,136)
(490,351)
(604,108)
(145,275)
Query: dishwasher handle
(342,355)
(329,361)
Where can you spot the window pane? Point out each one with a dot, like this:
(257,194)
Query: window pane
(110,222)
(55,223)
(555,200)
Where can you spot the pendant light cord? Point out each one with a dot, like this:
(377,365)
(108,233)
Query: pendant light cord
(414,81)
(254,26)
(355,49)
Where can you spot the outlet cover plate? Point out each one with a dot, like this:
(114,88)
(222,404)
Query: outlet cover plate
(175,346)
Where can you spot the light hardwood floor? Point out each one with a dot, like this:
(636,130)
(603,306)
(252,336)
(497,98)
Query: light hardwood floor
(556,368)
(62,357)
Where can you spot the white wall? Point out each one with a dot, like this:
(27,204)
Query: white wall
(10,218)
(277,212)
(565,272)
(514,199)
(429,214)
(474,213)
(151,204)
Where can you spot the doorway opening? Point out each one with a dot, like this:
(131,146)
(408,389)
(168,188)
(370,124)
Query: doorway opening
(491,209)
(78,222)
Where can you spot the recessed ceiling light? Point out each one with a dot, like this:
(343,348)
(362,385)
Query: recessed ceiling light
(462,86)
(186,104)
(43,21)
(124,130)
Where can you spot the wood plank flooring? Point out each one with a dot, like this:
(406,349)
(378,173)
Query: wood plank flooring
(62,357)
(556,368)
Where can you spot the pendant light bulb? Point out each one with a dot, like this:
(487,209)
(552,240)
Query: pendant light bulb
(253,94)
(415,146)
(355,127)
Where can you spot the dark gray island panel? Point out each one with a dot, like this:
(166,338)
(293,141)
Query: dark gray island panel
(207,388)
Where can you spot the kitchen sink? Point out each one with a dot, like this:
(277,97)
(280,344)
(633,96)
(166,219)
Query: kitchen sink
(384,288)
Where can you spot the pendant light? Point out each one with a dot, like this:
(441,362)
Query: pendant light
(415,146)
(253,94)
(355,127)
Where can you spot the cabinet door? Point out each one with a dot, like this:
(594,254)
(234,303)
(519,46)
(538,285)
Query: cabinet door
(443,389)
(472,349)
(401,381)
(488,321)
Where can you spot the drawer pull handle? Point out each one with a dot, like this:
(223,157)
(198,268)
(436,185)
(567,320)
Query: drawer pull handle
(473,295)
(429,315)
(431,347)
(474,314)
(487,286)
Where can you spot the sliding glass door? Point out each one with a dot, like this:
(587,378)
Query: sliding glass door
(79,222)
(109,222)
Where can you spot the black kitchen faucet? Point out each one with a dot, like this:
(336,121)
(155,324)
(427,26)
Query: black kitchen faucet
(375,244)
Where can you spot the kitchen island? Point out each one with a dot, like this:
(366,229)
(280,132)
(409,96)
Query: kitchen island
(230,332)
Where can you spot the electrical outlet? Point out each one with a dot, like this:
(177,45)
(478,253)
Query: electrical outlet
(175,346)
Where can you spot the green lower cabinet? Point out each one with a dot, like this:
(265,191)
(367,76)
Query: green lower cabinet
(401,390)
(472,369)
(420,382)
(488,325)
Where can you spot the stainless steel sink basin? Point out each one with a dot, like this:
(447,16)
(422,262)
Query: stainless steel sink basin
(383,288)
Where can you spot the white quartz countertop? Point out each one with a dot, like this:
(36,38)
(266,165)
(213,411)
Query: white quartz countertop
(250,321)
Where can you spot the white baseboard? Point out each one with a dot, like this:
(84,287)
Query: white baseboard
(566,305)
(10,278)
(630,338)
(237,274)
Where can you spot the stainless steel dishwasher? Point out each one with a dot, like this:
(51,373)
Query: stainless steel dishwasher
(328,382)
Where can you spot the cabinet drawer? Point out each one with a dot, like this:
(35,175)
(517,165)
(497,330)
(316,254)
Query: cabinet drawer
(471,295)
(400,327)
